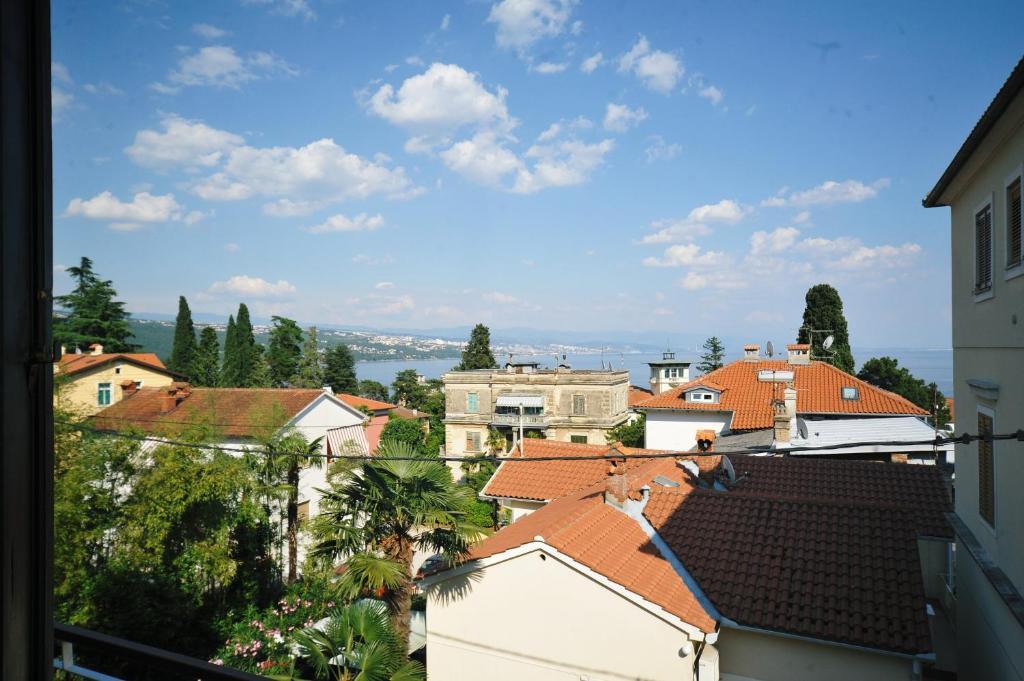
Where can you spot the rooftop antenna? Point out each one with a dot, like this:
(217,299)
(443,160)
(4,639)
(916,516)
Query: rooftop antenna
(769,350)
(827,343)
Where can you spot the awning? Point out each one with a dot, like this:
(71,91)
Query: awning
(347,441)
(520,401)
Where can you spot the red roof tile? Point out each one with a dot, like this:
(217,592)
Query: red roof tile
(232,412)
(638,395)
(818,387)
(545,480)
(357,401)
(75,363)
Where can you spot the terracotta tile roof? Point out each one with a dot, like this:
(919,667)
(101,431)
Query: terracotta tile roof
(818,387)
(232,412)
(406,413)
(798,346)
(357,401)
(638,395)
(75,363)
(582,526)
(545,480)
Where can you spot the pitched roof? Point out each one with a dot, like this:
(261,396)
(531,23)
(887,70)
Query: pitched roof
(357,401)
(406,413)
(347,441)
(546,480)
(76,363)
(818,387)
(638,395)
(232,412)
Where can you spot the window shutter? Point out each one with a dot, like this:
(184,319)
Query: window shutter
(1013,253)
(983,249)
(986,472)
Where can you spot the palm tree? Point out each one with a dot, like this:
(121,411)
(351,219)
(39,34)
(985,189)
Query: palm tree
(381,512)
(357,643)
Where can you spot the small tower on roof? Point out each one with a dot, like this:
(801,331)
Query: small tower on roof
(668,372)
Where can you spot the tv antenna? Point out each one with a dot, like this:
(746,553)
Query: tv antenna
(769,350)
(826,343)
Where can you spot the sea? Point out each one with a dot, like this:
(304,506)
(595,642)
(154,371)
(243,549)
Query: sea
(930,365)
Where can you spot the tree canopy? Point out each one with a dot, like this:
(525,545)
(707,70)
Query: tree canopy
(630,434)
(824,313)
(284,350)
(340,370)
(477,354)
(886,373)
(311,363)
(93,314)
(205,369)
(240,353)
(183,349)
(404,430)
(373,390)
(407,389)
(713,357)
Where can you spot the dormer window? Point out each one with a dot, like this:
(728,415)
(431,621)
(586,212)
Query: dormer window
(702,395)
(849,393)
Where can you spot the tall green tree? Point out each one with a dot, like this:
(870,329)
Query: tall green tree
(886,373)
(713,357)
(285,455)
(340,370)
(284,350)
(391,506)
(247,352)
(408,431)
(477,354)
(407,389)
(823,316)
(311,364)
(184,348)
(229,370)
(205,369)
(630,433)
(93,314)
(260,377)
(373,390)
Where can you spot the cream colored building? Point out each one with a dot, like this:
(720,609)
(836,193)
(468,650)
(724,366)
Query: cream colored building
(92,381)
(561,404)
(982,187)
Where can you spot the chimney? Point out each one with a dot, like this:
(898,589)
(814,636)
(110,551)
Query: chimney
(174,395)
(705,440)
(751,352)
(96,348)
(618,489)
(799,353)
(128,388)
(328,390)
(785,415)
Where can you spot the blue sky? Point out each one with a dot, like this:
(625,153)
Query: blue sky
(677,168)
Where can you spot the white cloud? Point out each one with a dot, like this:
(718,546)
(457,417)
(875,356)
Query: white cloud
(718,279)
(383,285)
(565,164)
(547,67)
(551,133)
(775,241)
(182,143)
(830,192)
(590,64)
(414,61)
(343,223)
(251,287)
(499,298)
(521,23)
(102,88)
(660,150)
(59,72)
(802,216)
(220,66)
(685,255)
(195,216)
(711,93)
(660,71)
(576,28)
(208,31)
(144,207)
(288,8)
(286,208)
(220,187)
(620,118)
(849,253)
(693,281)
(483,159)
(695,224)
(726,211)
(60,102)
(446,22)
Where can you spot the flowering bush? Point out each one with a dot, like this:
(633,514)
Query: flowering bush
(260,641)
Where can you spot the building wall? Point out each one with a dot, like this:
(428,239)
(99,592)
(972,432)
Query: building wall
(520,508)
(750,656)
(80,389)
(539,619)
(678,429)
(988,344)
(314,423)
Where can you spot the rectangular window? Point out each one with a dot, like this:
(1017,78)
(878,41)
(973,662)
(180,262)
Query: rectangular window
(983,249)
(472,442)
(986,472)
(579,405)
(472,403)
(1013,252)
(850,393)
(578,439)
(103,394)
(303,512)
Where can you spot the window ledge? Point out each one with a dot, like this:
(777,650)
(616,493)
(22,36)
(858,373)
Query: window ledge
(1014,272)
(995,576)
(983,294)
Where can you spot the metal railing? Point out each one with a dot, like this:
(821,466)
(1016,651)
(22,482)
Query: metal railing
(114,652)
(528,420)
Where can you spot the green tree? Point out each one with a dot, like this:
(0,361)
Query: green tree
(229,370)
(714,354)
(340,370)
(407,389)
(391,506)
(261,369)
(824,314)
(630,433)
(373,390)
(887,374)
(183,349)
(205,369)
(93,316)
(361,636)
(284,350)
(404,430)
(247,353)
(477,354)
(284,456)
(311,365)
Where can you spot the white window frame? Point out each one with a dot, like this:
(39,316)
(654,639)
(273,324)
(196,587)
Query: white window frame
(1012,271)
(856,393)
(990,203)
(991,413)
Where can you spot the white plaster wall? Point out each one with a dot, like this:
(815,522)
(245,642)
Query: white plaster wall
(521,509)
(534,618)
(313,423)
(678,429)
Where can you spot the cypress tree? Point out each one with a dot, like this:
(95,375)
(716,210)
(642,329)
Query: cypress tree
(246,343)
(229,370)
(260,377)
(284,351)
(93,316)
(340,370)
(477,354)
(205,369)
(311,368)
(184,348)
(714,353)
(824,313)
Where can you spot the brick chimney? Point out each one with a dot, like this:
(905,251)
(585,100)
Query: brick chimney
(173,395)
(751,352)
(706,440)
(799,353)
(785,415)
(618,487)
(128,388)
(96,349)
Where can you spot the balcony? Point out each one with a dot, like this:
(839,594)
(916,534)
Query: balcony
(513,420)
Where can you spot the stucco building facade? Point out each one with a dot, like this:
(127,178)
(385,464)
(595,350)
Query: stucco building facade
(92,381)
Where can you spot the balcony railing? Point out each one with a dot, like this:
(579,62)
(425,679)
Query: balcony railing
(116,654)
(528,420)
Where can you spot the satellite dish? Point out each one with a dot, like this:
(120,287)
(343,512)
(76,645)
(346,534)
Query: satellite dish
(827,343)
(769,349)
(728,468)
